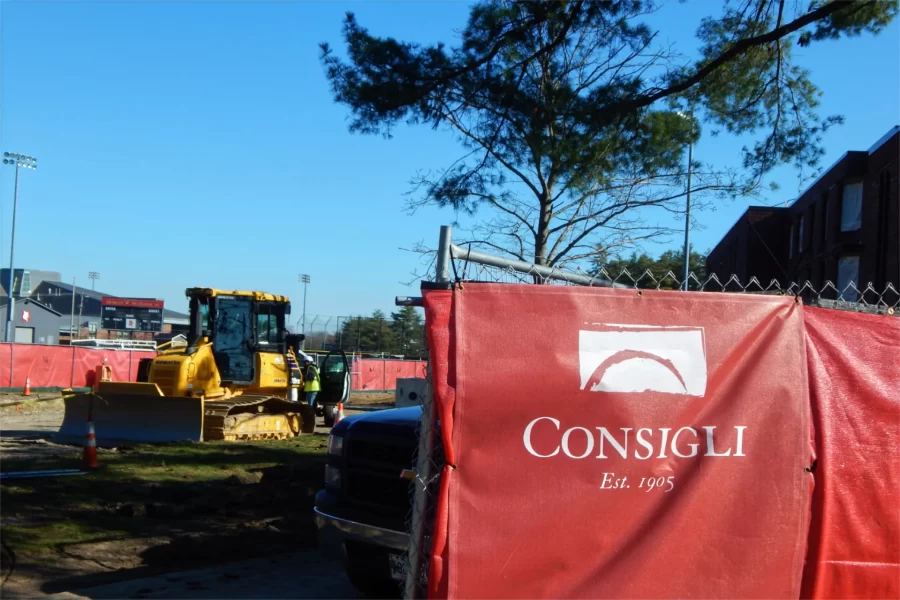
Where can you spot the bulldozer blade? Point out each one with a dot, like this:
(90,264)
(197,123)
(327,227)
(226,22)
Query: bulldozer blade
(131,417)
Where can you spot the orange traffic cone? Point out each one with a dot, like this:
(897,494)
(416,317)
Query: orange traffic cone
(340,413)
(27,386)
(89,456)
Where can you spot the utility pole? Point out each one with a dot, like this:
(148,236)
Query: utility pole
(27,162)
(304,279)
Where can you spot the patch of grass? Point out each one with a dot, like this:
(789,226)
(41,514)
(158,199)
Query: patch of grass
(159,490)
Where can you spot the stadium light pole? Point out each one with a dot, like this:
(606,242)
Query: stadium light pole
(93,276)
(26,162)
(304,279)
(687,213)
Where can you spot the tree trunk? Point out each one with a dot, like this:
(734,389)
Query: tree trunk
(542,236)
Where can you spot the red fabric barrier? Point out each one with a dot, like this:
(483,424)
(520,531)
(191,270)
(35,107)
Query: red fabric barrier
(64,366)
(355,373)
(656,447)
(87,360)
(854,541)
(380,374)
(5,364)
(440,331)
(397,369)
(44,365)
(371,375)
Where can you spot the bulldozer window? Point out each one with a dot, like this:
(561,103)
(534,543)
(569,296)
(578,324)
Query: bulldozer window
(204,317)
(199,319)
(269,319)
(234,358)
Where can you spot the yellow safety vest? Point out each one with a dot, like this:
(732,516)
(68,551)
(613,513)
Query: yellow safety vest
(312,383)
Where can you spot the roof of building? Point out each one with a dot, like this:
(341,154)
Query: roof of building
(891,133)
(881,142)
(97,295)
(4,301)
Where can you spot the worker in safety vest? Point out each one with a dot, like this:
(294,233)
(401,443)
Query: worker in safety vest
(310,381)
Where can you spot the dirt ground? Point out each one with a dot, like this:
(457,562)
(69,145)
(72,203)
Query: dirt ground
(155,509)
(295,575)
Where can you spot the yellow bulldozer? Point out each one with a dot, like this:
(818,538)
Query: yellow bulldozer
(238,378)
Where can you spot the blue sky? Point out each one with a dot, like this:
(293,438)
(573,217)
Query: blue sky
(196,143)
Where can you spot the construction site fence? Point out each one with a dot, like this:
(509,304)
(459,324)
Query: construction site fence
(455,267)
(58,367)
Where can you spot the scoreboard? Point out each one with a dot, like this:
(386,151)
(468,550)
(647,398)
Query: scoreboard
(131,314)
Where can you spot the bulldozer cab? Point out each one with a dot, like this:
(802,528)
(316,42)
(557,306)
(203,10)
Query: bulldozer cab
(238,325)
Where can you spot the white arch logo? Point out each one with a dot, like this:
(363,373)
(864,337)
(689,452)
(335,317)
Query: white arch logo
(643,358)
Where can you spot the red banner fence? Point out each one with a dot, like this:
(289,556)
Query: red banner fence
(662,444)
(71,366)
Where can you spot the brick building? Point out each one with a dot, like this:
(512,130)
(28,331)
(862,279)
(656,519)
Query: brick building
(753,247)
(844,228)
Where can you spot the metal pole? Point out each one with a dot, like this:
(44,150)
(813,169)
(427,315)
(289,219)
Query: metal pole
(358,332)
(687,212)
(312,329)
(304,306)
(425,449)
(80,313)
(10,307)
(72,320)
(325,337)
(528,268)
(443,257)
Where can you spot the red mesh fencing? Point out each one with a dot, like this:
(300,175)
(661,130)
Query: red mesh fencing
(67,366)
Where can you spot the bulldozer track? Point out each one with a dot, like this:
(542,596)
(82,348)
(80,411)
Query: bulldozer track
(216,413)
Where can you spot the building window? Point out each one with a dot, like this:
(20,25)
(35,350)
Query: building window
(848,278)
(26,284)
(851,206)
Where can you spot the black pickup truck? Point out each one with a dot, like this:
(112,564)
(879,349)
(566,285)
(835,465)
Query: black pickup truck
(362,514)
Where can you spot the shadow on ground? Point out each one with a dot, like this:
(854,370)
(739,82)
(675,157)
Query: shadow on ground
(153,509)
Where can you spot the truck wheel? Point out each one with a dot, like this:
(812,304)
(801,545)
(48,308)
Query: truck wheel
(329,411)
(374,587)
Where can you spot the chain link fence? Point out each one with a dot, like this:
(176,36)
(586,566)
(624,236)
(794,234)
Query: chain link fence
(850,296)
(460,267)
(367,336)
